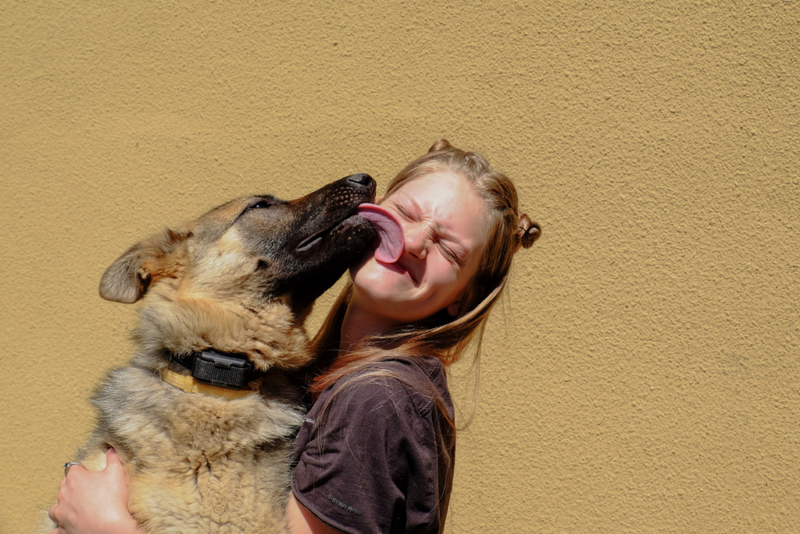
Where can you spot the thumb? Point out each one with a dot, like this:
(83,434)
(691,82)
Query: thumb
(112,458)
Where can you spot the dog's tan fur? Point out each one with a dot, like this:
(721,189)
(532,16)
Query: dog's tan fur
(202,463)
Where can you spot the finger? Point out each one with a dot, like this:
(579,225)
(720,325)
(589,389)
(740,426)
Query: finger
(75,472)
(77,468)
(112,457)
(114,463)
(52,513)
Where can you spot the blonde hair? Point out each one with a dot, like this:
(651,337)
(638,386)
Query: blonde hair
(440,335)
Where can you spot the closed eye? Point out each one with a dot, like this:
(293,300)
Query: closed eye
(403,212)
(451,255)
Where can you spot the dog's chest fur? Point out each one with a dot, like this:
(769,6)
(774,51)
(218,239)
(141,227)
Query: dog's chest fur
(198,463)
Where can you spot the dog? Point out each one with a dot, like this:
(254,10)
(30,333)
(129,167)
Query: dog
(205,414)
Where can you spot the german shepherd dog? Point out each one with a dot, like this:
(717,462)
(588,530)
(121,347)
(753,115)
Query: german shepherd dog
(204,416)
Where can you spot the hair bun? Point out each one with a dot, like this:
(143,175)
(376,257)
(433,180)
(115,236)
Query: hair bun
(529,231)
(441,144)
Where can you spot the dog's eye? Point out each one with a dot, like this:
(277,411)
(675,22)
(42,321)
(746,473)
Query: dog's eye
(260,204)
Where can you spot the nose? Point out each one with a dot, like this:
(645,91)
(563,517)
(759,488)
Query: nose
(361,180)
(416,239)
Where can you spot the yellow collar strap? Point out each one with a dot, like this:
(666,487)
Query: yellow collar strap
(189,384)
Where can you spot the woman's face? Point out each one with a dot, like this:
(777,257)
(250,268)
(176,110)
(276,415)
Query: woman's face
(445,224)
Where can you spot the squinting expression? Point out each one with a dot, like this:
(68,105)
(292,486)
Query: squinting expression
(445,224)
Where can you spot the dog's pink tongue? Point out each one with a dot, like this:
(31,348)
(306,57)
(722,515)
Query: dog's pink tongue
(391,234)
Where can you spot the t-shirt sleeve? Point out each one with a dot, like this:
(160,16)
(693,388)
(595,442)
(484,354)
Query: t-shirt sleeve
(369,461)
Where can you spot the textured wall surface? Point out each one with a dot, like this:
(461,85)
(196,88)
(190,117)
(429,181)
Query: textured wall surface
(644,375)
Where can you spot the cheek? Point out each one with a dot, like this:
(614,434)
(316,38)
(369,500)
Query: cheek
(451,281)
(444,273)
(371,276)
(227,260)
(358,267)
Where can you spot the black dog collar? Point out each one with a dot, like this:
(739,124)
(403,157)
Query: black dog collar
(222,370)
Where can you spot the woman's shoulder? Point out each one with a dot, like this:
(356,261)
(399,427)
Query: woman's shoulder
(396,383)
(420,379)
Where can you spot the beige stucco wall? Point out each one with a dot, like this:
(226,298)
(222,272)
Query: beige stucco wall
(645,376)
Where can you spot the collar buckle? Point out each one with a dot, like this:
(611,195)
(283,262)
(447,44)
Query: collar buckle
(222,370)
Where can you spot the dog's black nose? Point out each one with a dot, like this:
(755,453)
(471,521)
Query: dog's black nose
(361,179)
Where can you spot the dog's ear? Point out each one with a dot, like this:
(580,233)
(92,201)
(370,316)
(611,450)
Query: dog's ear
(159,256)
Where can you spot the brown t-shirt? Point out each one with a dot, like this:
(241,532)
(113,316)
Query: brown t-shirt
(377,456)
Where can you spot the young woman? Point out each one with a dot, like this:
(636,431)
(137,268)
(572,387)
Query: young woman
(377,449)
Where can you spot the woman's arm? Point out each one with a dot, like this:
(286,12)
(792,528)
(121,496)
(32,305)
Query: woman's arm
(94,502)
(302,521)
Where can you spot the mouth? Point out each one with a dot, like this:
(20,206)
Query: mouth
(401,268)
(313,240)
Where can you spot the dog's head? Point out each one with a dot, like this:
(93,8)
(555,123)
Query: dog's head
(244,275)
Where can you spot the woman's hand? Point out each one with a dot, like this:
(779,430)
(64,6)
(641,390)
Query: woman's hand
(94,502)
